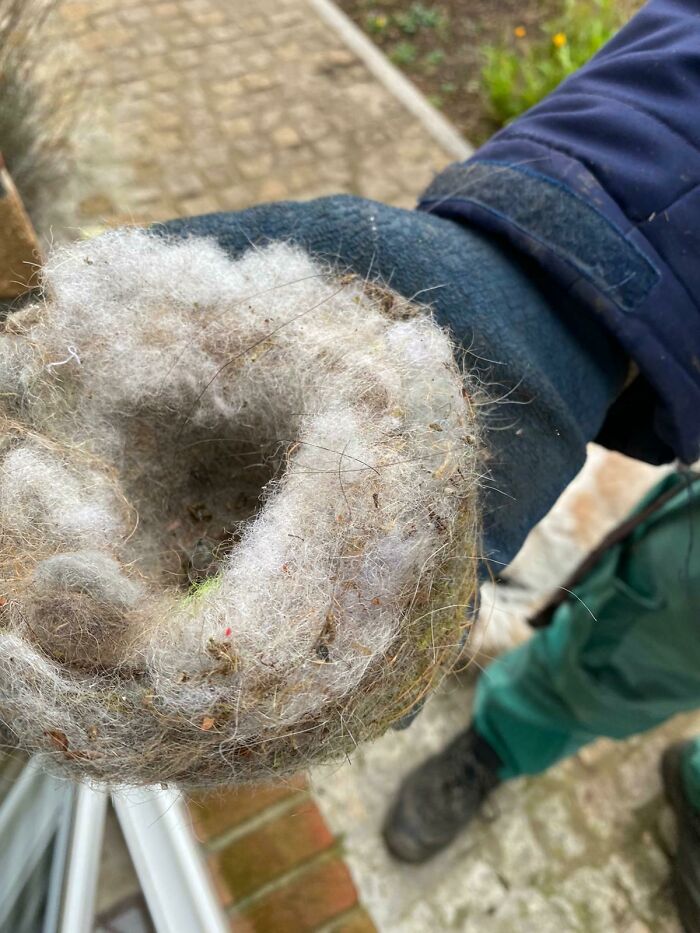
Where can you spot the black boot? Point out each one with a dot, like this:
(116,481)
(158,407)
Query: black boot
(686,866)
(438,799)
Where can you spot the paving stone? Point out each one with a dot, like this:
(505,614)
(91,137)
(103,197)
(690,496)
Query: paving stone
(185,185)
(592,755)
(597,797)
(285,137)
(169,10)
(598,901)
(98,205)
(486,888)
(256,168)
(220,177)
(638,775)
(235,198)
(529,910)
(273,189)
(75,12)
(554,824)
(330,147)
(136,14)
(641,874)
(203,204)
(522,857)
(238,126)
(258,82)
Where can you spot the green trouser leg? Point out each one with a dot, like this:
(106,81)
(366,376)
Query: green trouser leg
(620,657)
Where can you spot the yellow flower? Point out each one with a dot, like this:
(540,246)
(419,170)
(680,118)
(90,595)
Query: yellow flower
(559,39)
(520,32)
(380,21)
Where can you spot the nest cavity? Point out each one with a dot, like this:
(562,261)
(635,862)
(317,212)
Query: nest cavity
(237,511)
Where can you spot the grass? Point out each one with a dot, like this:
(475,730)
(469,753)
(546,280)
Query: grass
(403,53)
(517,74)
(418,17)
(434,59)
(405,26)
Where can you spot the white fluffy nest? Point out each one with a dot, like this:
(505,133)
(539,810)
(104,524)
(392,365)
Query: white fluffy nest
(237,503)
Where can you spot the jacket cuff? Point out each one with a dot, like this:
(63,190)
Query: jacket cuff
(551,208)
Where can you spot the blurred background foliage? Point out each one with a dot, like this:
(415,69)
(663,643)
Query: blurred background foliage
(517,74)
(484,63)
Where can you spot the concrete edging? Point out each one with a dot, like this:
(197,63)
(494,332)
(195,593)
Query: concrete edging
(398,84)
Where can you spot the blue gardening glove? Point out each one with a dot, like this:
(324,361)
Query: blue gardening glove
(549,367)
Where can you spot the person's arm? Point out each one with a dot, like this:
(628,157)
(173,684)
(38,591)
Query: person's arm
(551,373)
(600,185)
(565,253)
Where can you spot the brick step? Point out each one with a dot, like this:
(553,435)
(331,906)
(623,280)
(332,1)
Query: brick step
(275,863)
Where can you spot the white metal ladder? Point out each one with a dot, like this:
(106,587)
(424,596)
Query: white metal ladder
(40,808)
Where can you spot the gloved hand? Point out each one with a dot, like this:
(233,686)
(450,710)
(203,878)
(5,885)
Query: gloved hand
(548,366)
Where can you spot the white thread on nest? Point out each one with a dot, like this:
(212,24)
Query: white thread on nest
(72,355)
(299,445)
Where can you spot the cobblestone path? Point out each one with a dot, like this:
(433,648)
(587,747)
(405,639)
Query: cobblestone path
(581,849)
(218,104)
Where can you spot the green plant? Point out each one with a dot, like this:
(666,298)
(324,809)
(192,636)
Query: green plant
(403,53)
(434,58)
(517,74)
(418,16)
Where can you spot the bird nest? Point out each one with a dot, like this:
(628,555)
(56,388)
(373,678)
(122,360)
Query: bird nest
(237,511)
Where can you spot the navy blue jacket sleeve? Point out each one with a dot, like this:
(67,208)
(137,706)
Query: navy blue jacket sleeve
(600,184)
(555,373)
